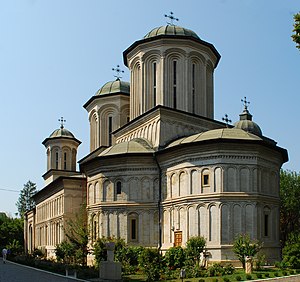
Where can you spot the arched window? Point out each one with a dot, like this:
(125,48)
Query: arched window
(266,221)
(174,84)
(56,160)
(109,131)
(154,83)
(133,227)
(193,88)
(119,188)
(65,161)
(94,226)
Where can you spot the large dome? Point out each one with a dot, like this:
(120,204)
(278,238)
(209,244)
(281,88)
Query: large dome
(116,86)
(171,30)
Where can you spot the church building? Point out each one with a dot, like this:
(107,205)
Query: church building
(161,169)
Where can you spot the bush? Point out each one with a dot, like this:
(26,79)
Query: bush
(284,273)
(260,261)
(229,269)
(267,275)
(248,276)
(201,280)
(276,274)
(150,262)
(259,275)
(225,279)
(175,257)
(238,278)
(215,270)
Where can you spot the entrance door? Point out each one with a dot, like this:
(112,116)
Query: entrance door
(177,238)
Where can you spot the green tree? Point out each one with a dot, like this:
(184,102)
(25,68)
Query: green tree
(296,36)
(175,257)
(194,248)
(150,262)
(243,246)
(291,251)
(289,203)
(11,233)
(76,231)
(25,201)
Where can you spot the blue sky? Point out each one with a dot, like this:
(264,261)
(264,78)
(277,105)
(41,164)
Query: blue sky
(54,55)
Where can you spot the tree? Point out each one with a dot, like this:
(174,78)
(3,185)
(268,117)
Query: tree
(243,246)
(25,201)
(291,251)
(76,231)
(194,248)
(11,233)
(289,203)
(150,261)
(296,36)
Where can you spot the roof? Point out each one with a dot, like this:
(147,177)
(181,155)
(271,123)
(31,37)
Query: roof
(171,30)
(116,86)
(134,146)
(61,133)
(222,133)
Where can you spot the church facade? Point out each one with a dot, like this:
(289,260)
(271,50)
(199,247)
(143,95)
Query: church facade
(161,169)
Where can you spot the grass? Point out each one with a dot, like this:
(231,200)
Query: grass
(262,274)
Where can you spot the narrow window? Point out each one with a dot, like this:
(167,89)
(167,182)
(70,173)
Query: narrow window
(119,187)
(205,179)
(133,229)
(109,131)
(65,161)
(193,88)
(154,84)
(174,84)
(266,223)
(95,230)
(56,160)
(128,119)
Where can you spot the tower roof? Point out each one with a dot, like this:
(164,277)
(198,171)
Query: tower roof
(171,30)
(116,86)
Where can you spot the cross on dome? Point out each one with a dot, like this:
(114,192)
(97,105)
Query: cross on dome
(172,18)
(61,120)
(226,119)
(118,71)
(245,102)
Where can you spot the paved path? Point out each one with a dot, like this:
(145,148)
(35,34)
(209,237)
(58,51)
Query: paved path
(12,272)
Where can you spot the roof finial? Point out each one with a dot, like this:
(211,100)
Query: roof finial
(118,71)
(61,120)
(226,119)
(172,18)
(245,102)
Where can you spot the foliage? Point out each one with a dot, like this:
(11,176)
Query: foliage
(128,256)
(291,251)
(175,257)
(296,36)
(248,276)
(260,261)
(290,202)
(225,279)
(243,246)
(193,271)
(150,262)
(77,232)
(25,202)
(66,252)
(238,278)
(229,269)
(194,247)
(11,234)
(215,270)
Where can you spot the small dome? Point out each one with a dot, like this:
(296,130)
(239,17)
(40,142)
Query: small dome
(247,124)
(137,145)
(171,30)
(116,86)
(61,132)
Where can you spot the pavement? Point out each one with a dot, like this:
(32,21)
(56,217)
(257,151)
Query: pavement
(13,272)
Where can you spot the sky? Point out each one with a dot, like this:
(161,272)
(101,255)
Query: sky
(55,55)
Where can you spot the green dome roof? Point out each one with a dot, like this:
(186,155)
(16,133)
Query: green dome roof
(61,132)
(137,145)
(171,30)
(115,86)
(222,133)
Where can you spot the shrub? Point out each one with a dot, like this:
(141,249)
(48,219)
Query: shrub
(225,279)
(248,276)
(238,278)
(229,269)
(267,275)
(195,271)
(284,273)
(175,257)
(150,263)
(201,280)
(292,271)
(259,275)
(215,270)
(260,261)
(215,280)
(276,274)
